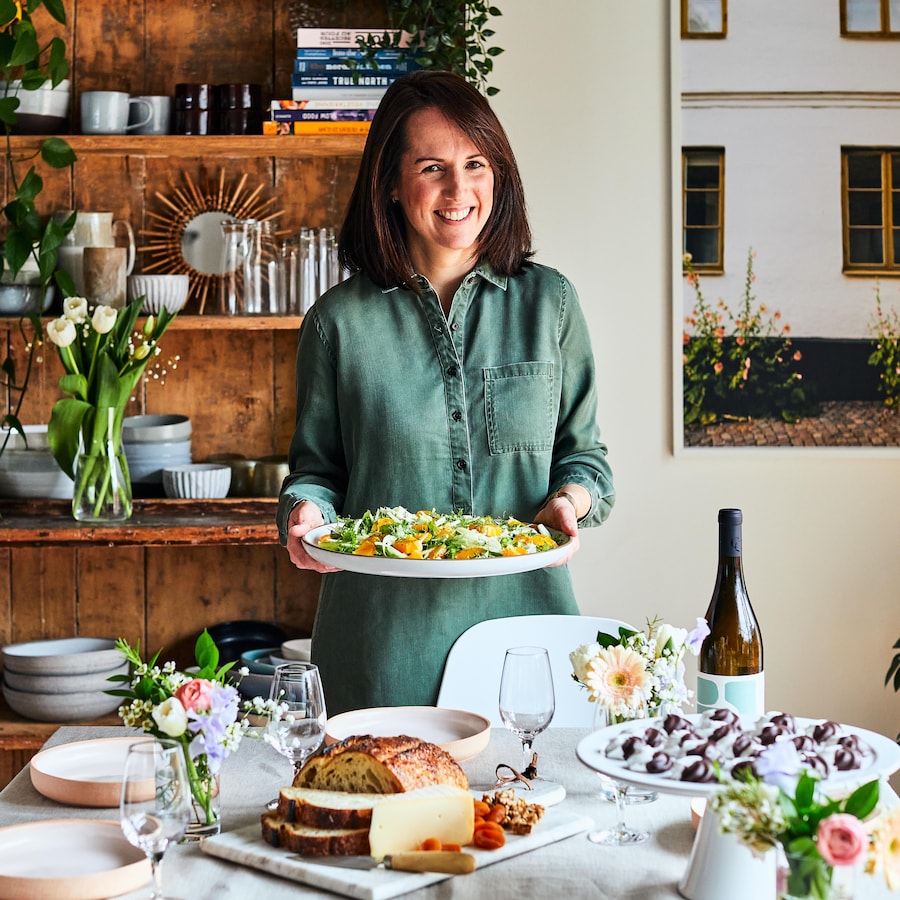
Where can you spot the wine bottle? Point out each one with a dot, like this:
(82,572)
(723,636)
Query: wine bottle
(730,666)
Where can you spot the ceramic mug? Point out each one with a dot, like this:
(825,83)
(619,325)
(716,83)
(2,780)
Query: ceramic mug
(160,118)
(91,229)
(104,271)
(106,112)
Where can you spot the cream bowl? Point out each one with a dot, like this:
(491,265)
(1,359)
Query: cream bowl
(65,656)
(197,481)
(299,649)
(65,684)
(155,429)
(158,291)
(54,707)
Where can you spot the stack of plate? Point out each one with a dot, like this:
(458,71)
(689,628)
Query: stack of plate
(32,472)
(62,680)
(154,443)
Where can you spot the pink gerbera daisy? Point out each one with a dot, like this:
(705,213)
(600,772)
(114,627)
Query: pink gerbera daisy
(617,679)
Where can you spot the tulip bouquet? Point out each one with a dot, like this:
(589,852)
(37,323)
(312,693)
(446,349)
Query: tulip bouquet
(781,805)
(200,710)
(636,673)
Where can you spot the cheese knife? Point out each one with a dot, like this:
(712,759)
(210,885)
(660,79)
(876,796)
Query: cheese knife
(449,862)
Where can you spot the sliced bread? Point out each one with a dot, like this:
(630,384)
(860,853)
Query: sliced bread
(310,841)
(326,809)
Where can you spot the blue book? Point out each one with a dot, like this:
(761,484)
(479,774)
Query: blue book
(332,53)
(386,67)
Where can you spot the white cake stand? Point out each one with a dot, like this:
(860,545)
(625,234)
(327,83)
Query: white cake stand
(720,865)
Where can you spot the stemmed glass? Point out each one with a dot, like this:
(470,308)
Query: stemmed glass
(300,730)
(527,701)
(155,803)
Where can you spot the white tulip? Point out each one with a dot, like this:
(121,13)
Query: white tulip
(170,717)
(580,659)
(61,332)
(667,632)
(75,308)
(104,319)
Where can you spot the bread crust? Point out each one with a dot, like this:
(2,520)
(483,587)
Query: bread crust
(313,841)
(380,765)
(326,809)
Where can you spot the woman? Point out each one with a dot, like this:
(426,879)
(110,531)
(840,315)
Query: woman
(448,372)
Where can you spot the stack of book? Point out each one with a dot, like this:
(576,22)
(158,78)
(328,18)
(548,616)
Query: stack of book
(327,95)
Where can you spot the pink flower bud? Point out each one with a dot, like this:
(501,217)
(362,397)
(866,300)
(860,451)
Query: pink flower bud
(195,694)
(841,839)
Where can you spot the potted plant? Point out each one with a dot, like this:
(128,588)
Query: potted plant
(28,236)
(454,37)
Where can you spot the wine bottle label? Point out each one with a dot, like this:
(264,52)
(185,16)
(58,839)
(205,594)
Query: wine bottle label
(743,694)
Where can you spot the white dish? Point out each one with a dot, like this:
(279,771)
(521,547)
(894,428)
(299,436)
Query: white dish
(169,291)
(591,751)
(84,773)
(71,859)
(430,568)
(62,656)
(155,428)
(299,649)
(70,683)
(53,707)
(462,734)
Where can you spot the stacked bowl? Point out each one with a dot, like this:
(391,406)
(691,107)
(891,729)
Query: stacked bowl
(154,443)
(31,471)
(62,680)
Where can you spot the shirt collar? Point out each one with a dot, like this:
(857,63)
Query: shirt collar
(483,269)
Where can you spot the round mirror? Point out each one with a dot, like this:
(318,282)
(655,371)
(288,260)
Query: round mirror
(201,243)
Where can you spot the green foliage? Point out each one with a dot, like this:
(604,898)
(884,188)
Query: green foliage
(885,330)
(24,58)
(455,37)
(738,364)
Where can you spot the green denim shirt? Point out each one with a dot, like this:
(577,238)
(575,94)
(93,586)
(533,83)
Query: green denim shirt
(487,410)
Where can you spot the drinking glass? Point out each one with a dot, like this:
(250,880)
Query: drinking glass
(527,702)
(155,804)
(299,732)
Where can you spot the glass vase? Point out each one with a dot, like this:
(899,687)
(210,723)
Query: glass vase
(102,489)
(801,876)
(630,794)
(206,817)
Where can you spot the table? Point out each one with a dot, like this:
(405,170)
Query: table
(570,868)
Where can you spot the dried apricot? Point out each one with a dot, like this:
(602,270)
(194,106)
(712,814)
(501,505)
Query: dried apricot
(430,843)
(488,836)
(497,814)
(482,809)
(451,848)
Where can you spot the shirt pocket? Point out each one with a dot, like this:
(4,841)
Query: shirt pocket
(519,406)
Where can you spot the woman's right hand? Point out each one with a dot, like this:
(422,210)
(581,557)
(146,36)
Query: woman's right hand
(303,518)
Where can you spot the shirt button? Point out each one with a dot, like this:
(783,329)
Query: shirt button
(455,326)
(457,415)
(470,279)
(451,371)
(461,465)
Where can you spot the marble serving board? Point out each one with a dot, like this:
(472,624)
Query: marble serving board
(246,847)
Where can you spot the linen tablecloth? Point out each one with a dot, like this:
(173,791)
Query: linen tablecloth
(572,868)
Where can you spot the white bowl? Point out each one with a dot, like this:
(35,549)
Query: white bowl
(158,291)
(22,299)
(43,111)
(299,649)
(32,473)
(147,461)
(65,684)
(197,481)
(65,656)
(54,707)
(36,436)
(155,429)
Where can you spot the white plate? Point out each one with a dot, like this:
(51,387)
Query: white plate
(462,734)
(84,773)
(70,859)
(591,749)
(431,568)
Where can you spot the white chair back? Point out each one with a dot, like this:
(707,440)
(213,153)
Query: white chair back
(471,679)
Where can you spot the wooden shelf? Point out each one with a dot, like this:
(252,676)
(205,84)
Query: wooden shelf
(194,322)
(154,523)
(211,146)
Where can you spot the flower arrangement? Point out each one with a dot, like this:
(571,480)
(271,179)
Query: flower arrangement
(199,710)
(637,672)
(884,327)
(782,806)
(738,363)
(104,358)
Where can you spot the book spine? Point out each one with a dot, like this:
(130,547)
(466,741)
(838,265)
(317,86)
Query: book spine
(325,66)
(345,79)
(328,103)
(362,96)
(316,127)
(346,37)
(323,115)
(335,53)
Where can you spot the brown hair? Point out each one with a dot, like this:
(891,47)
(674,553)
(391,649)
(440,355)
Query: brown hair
(373,236)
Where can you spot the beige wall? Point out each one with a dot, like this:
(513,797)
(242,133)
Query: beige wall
(585,98)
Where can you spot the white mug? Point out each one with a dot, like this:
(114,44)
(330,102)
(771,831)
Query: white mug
(160,118)
(106,112)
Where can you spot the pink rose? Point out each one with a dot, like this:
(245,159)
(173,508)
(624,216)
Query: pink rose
(195,694)
(842,839)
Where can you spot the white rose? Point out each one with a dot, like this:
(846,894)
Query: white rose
(580,658)
(170,717)
(61,332)
(75,308)
(668,633)
(104,319)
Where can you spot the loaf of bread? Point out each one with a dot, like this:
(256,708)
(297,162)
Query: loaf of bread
(326,809)
(364,764)
(309,841)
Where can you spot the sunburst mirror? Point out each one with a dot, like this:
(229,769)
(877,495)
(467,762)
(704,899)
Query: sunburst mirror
(186,235)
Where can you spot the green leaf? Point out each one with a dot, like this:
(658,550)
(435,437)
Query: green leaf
(58,154)
(206,653)
(56,9)
(63,431)
(26,48)
(863,800)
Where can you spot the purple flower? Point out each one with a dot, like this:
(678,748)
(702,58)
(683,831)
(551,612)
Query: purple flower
(210,726)
(697,636)
(780,764)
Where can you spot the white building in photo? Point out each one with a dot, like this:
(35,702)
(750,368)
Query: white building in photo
(785,96)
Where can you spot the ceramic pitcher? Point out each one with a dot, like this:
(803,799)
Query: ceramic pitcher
(92,229)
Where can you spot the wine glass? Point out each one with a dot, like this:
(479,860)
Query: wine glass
(300,730)
(527,702)
(155,803)
(621,834)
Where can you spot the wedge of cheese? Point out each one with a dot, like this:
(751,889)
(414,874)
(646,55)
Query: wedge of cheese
(402,821)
